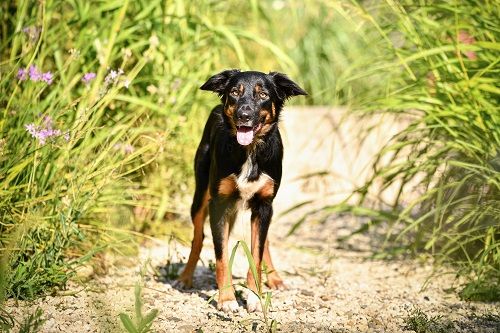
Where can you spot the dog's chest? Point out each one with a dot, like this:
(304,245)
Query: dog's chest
(248,188)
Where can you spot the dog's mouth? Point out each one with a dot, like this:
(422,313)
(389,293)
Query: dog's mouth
(245,134)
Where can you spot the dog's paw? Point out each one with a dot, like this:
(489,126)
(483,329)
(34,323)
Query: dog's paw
(183,282)
(276,284)
(253,303)
(228,306)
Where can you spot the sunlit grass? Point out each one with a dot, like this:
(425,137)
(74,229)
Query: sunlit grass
(445,164)
(99,122)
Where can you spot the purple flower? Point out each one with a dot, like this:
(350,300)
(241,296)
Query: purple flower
(35,74)
(87,77)
(47,121)
(126,148)
(47,77)
(22,74)
(31,128)
(45,132)
(113,76)
(32,32)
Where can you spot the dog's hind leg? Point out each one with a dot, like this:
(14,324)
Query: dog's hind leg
(198,218)
(274,281)
(199,211)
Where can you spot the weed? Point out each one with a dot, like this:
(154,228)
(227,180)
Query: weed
(420,322)
(31,323)
(142,322)
(264,297)
(6,320)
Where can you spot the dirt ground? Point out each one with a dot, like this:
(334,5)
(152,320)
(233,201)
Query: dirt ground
(332,286)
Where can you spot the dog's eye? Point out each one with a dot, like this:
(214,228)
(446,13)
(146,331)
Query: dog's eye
(235,92)
(263,95)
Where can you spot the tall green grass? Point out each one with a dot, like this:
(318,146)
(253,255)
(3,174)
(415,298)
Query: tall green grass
(120,146)
(333,45)
(444,167)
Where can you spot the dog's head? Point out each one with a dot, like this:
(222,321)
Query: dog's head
(252,100)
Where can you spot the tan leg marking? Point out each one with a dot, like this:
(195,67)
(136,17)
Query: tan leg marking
(274,281)
(267,190)
(228,186)
(227,300)
(186,277)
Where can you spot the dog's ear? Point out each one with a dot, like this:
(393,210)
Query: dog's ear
(285,87)
(218,82)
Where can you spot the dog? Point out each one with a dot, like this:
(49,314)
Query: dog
(238,164)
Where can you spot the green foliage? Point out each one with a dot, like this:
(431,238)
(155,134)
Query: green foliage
(420,322)
(481,290)
(444,167)
(76,158)
(264,297)
(31,323)
(142,322)
(333,45)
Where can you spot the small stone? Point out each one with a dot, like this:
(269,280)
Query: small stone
(186,329)
(307,292)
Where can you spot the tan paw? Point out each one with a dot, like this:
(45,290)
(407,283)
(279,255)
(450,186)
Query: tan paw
(276,283)
(183,282)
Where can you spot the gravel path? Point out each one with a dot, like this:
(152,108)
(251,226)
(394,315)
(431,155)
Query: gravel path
(332,288)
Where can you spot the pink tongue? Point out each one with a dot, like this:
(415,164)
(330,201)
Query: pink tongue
(244,135)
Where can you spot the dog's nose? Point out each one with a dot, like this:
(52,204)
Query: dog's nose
(244,113)
(243,116)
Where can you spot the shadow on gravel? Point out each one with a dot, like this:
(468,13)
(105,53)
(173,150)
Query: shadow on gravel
(204,284)
(204,277)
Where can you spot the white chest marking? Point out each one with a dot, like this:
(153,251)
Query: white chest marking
(249,188)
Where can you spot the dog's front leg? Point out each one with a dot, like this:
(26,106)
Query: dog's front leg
(222,214)
(262,212)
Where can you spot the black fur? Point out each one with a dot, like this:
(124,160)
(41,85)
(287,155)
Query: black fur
(250,101)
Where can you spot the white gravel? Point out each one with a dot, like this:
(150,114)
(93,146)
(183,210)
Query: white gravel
(331,289)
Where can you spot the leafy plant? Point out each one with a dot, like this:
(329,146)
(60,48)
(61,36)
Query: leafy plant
(419,322)
(264,297)
(142,322)
(31,323)
(98,106)
(441,68)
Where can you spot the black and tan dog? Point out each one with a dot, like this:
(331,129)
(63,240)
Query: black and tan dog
(238,165)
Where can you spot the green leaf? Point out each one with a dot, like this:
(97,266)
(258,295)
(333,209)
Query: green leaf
(127,323)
